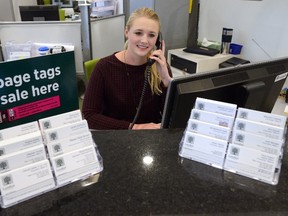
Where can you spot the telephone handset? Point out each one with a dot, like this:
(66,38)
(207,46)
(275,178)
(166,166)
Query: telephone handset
(158,45)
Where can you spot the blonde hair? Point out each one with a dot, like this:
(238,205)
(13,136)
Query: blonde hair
(150,14)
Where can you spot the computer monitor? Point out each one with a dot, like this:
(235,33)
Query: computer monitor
(39,13)
(192,38)
(63,3)
(254,86)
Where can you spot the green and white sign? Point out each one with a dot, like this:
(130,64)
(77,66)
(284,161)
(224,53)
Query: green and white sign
(38,87)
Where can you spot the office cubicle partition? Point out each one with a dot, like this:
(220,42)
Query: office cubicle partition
(45,32)
(107,35)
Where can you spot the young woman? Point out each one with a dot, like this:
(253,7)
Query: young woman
(114,90)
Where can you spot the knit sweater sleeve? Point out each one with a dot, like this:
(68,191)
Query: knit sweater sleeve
(93,104)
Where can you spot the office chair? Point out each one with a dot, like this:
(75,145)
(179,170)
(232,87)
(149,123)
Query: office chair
(89,67)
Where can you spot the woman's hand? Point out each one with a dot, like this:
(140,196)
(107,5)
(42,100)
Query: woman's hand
(159,57)
(146,126)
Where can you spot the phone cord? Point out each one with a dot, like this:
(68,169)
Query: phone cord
(147,76)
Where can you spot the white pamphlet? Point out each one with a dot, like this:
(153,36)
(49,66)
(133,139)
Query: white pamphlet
(252,163)
(60,120)
(75,165)
(262,117)
(18,130)
(213,118)
(22,158)
(78,141)
(264,144)
(204,149)
(208,129)
(259,129)
(65,131)
(26,182)
(216,106)
(20,143)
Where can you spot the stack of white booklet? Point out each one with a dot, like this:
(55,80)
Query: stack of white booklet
(25,151)
(24,168)
(250,144)
(71,148)
(208,132)
(256,146)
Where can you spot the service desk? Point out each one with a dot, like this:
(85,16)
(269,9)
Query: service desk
(169,185)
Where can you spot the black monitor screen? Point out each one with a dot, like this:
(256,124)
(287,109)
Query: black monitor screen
(253,86)
(63,3)
(39,13)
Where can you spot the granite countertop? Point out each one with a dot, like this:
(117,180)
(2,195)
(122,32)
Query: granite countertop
(170,185)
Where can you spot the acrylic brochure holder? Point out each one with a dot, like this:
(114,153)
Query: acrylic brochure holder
(44,142)
(238,140)
(37,160)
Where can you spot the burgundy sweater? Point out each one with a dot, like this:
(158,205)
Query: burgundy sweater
(113,93)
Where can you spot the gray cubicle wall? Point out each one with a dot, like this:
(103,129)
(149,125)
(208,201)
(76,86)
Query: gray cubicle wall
(107,35)
(174,20)
(6,11)
(45,32)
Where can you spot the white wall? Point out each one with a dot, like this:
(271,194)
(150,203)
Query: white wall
(6,11)
(260,26)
